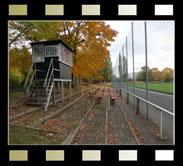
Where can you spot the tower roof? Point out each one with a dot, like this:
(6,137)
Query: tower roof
(53,42)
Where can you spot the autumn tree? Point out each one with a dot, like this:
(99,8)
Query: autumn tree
(89,40)
(156,74)
(21,32)
(19,63)
(106,72)
(167,74)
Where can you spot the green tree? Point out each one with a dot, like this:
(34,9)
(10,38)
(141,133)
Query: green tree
(142,74)
(123,68)
(107,70)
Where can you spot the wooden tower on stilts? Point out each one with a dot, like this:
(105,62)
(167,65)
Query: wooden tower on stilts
(51,64)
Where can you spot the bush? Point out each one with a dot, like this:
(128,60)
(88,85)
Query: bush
(15,78)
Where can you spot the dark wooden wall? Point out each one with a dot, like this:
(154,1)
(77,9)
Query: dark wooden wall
(65,70)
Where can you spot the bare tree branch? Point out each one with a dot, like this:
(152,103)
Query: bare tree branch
(13,40)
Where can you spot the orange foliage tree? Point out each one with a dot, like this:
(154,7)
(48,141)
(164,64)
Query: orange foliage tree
(89,40)
(156,74)
(167,74)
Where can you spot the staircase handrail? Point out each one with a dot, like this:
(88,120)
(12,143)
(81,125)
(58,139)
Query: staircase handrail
(48,99)
(28,75)
(48,72)
(51,74)
(27,89)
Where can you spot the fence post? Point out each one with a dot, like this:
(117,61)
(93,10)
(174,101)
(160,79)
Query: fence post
(127,101)
(120,84)
(127,61)
(161,125)
(145,31)
(121,92)
(137,106)
(122,66)
(133,66)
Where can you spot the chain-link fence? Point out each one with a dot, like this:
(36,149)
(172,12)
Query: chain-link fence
(145,69)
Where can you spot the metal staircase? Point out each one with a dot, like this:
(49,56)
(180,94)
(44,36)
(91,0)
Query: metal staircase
(39,90)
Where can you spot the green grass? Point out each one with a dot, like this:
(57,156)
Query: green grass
(19,135)
(166,87)
(16,94)
(14,97)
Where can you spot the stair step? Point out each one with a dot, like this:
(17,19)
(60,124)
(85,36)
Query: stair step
(38,87)
(35,103)
(37,98)
(42,80)
(33,89)
(39,93)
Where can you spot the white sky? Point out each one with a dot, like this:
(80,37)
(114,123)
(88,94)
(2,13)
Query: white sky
(123,28)
(160,43)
